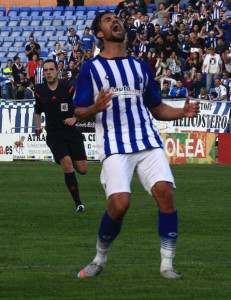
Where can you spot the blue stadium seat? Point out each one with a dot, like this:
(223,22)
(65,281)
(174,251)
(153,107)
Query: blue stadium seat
(228,13)
(91,13)
(42,41)
(63,39)
(58,11)
(79,13)
(4,21)
(91,17)
(38,31)
(69,11)
(47,11)
(16,31)
(12,52)
(81,8)
(82,18)
(88,23)
(14,21)
(5,31)
(79,22)
(44,52)
(103,8)
(19,41)
(2,11)
(92,7)
(151,8)
(80,32)
(3,52)
(61,30)
(36,11)
(13,11)
(27,31)
(25,21)
(58,21)
(1,40)
(36,21)
(47,21)
(112,7)
(49,31)
(52,41)
(70,20)
(8,41)
(24,11)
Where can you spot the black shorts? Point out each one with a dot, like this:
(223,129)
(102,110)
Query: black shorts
(66,142)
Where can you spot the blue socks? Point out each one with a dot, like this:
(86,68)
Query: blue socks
(168,230)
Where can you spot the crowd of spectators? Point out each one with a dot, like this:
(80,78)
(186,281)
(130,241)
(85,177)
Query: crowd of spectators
(188,49)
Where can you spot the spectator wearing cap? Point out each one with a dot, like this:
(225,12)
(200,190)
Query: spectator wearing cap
(88,42)
(179,91)
(212,39)
(178,22)
(213,66)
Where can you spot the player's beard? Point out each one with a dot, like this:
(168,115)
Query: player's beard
(116,39)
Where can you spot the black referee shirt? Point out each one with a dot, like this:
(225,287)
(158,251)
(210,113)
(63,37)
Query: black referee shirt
(57,105)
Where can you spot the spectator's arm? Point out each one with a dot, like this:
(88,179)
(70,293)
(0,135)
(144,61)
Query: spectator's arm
(220,32)
(225,56)
(27,72)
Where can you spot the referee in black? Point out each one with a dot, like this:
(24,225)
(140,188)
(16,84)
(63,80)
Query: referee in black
(54,98)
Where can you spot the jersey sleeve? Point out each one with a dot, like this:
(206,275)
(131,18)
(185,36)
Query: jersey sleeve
(84,95)
(151,95)
(38,103)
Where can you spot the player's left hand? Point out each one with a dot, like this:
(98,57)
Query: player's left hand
(191,109)
(70,121)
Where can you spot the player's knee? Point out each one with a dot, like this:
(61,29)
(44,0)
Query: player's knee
(164,197)
(119,210)
(67,165)
(81,169)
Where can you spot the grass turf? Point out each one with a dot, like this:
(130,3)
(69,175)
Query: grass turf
(43,242)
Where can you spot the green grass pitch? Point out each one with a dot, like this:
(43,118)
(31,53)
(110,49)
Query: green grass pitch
(44,243)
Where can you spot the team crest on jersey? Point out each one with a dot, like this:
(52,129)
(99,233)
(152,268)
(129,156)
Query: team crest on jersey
(107,77)
(64,106)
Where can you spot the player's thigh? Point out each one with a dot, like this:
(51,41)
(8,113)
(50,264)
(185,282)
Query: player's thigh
(153,168)
(116,174)
(76,148)
(58,147)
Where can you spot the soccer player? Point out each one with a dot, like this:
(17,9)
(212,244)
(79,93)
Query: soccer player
(117,91)
(64,139)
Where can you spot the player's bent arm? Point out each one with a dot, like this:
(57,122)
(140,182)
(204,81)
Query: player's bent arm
(38,120)
(167,113)
(85,114)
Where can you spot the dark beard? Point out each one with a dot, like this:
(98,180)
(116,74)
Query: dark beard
(116,39)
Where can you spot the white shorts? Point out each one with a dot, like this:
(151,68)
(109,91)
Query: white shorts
(151,166)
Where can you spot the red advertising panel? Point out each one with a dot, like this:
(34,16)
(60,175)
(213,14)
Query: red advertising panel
(224,148)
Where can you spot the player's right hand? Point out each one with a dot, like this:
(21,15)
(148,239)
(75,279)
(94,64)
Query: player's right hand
(103,99)
(38,131)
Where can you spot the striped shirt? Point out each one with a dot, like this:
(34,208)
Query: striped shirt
(125,126)
(144,48)
(221,91)
(216,11)
(39,73)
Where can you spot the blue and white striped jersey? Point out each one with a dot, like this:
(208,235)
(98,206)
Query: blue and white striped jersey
(125,126)
(39,73)
(216,11)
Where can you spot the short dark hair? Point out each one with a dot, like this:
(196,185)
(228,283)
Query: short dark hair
(96,23)
(87,27)
(51,61)
(16,57)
